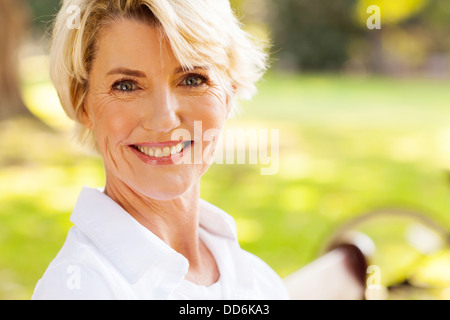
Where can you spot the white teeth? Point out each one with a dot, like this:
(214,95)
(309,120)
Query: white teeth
(165,152)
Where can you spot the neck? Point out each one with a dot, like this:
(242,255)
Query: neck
(175,221)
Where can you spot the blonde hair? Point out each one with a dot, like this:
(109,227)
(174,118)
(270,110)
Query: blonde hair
(199,31)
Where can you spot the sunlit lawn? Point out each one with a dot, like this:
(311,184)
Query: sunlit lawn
(346,145)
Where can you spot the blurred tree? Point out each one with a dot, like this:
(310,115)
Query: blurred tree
(392,13)
(436,19)
(312,35)
(43,12)
(333,35)
(413,37)
(13,25)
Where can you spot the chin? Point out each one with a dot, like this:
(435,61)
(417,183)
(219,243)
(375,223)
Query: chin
(165,191)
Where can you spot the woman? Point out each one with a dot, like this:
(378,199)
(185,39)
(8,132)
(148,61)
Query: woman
(137,76)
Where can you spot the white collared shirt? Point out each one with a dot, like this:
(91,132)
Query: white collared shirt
(109,255)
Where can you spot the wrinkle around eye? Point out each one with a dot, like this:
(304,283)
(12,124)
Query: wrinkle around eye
(212,97)
(99,103)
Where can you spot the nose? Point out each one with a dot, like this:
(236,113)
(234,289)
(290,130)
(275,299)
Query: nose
(161,111)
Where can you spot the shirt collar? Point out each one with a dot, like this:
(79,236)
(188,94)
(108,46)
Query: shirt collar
(217,221)
(131,247)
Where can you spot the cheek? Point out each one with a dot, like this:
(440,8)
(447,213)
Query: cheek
(211,108)
(112,124)
(213,121)
(218,109)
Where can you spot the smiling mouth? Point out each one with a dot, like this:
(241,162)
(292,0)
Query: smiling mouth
(162,151)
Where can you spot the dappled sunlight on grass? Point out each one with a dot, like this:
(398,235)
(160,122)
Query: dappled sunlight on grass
(434,271)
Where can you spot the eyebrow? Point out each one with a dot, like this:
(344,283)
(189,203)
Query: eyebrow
(140,74)
(127,72)
(183,69)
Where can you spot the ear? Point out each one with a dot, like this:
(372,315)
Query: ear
(84,117)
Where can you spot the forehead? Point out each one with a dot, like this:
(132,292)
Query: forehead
(135,45)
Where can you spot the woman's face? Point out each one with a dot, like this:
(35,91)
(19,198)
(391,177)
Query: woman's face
(139,97)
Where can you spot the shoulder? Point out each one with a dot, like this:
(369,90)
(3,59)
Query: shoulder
(77,272)
(222,229)
(267,281)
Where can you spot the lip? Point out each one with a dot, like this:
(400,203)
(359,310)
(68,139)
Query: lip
(171,159)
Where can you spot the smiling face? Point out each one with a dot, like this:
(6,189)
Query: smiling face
(138,97)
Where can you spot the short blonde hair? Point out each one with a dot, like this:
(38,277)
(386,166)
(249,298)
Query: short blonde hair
(199,31)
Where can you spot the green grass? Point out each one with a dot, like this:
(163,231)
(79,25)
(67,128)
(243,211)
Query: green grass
(347,145)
